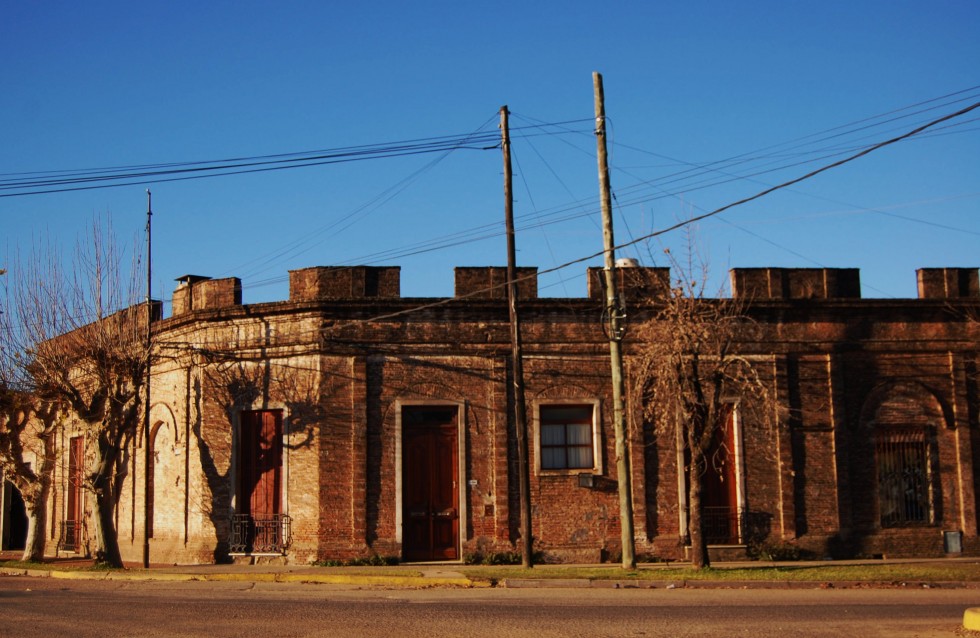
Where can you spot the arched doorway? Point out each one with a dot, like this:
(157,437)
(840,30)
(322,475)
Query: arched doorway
(14,518)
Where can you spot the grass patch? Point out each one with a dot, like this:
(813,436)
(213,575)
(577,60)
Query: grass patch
(374,560)
(900,572)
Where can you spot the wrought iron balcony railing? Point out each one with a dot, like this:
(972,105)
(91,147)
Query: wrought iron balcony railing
(70,538)
(722,525)
(266,535)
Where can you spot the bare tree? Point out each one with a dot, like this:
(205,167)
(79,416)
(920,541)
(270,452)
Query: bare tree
(690,374)
(27,456)
(80,342)
(27,451)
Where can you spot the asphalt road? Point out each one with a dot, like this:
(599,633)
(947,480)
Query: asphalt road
(48,607)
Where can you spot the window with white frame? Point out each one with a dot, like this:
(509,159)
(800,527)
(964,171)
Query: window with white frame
(566,436)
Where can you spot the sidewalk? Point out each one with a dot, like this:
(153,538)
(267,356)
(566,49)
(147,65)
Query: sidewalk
(411,576)
(426,575)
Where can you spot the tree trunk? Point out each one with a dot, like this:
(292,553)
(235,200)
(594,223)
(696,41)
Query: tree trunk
(695,521)
(36,502)
(36,522)
(106,540)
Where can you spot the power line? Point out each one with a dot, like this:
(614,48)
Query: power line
(673,227)
(698,218)
(835,132)
(309,240)
(539,219)
(696,176)
(57,181)
(174,175)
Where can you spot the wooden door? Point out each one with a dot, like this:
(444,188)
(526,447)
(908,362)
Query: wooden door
(430,483)
(72,534)
(719,490)
(260,464)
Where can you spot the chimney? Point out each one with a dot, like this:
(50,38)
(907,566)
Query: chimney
(490,282)
(344,282)
(195,292)
(946,283)
(796,283)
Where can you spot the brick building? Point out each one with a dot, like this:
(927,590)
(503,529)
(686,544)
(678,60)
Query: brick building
(350,421)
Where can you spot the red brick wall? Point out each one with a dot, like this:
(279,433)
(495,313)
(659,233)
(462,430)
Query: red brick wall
(340,376)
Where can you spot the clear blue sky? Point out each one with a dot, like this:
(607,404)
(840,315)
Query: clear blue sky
(105,84)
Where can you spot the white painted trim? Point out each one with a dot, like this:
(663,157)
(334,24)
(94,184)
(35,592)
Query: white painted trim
(739,453)
(682,517)
(398,472)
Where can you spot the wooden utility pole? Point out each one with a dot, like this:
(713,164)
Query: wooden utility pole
(614,315)
(147,452)
(517,364)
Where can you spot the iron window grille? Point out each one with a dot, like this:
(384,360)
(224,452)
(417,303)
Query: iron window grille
(902,462)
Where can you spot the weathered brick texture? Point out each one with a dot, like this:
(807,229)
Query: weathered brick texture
(491,282)
(310,284)
(842,368)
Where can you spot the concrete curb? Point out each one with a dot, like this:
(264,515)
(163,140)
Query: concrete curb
(971,619)
(585,583)
(348,579)
(554,583)
(422,582)
(256,577)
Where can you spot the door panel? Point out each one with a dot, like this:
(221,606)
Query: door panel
(76,477)
(260,477)
(719,494)
(76,472)
(430,491)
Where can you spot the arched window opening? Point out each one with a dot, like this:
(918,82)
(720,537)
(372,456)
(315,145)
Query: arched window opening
(902,421)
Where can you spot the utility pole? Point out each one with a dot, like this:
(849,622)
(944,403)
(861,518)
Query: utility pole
(147,452)
(517,364)
(615,316)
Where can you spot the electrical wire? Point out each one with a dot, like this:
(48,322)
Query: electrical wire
(40,182)
(491,230)
(697,218)
(311,239)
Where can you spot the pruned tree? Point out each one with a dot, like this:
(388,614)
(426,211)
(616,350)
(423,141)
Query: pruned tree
(27,443)
(80,341)
(27,456)
(690,373)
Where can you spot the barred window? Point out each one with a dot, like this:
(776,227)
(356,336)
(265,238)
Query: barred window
(566,437)
(902,460)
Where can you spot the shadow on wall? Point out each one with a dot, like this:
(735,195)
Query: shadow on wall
(233,387)
(847,545)
(218,483)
